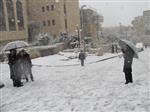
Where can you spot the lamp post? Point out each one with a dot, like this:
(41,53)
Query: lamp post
(120,30)
(78,33)
(81,23)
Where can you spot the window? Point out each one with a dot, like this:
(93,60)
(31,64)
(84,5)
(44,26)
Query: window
(2,17)
(11,17)
(52,7)
(53,22)
(47,7)
(20,19)
(49,23)
(44,23)
(43,9)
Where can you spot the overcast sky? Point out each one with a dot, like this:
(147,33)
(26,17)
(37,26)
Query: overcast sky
(116,11)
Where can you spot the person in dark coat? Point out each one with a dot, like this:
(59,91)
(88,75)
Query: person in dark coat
(25,64)
(128,59)
(112,49)
(82,57)
(1,85)
(12,61)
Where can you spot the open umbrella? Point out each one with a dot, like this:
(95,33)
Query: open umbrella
(15,45)
(123,42)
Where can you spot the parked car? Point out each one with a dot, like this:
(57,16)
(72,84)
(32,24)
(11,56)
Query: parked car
(140,47)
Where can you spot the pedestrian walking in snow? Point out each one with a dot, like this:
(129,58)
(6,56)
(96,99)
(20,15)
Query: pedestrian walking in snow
(112,48)
(25,65)
(82,57)
(12,61)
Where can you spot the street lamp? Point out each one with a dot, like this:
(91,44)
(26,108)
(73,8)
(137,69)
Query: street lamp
(81,18)
(78,32)
(81,23)
(120,25)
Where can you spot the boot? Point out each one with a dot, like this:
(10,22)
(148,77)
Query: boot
(31,77)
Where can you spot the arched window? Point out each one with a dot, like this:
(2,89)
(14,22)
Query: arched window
(20,19)
(11,17)
(2,17)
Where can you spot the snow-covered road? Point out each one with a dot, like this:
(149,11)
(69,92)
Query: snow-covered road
(97,87)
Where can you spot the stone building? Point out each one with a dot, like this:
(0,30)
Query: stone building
(13,21)
(146,21)
(91,22)
(141,27)
(138,26)
(54,16)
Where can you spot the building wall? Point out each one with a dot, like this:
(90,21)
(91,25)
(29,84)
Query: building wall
(138,26)
(73,15)
(17,34)
(35,13)
(146,20)
(141,25)
(91,24)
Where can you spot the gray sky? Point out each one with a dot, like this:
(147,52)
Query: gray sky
(115,11)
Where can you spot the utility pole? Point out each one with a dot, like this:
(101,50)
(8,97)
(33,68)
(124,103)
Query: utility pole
(81,24)
(120,30)
(78,32)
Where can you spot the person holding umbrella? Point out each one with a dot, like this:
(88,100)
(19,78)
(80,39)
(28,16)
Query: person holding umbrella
(12,60)
(129,52)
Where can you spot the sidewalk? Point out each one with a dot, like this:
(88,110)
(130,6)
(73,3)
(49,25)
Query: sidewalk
(63,60)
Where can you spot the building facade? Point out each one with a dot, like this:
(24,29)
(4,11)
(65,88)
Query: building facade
(54,16)
(138,25)
(141,27)
(146,21)
(138,28)
(13,21)
(91,22)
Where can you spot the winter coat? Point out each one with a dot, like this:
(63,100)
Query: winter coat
(11,61)
(1,85)
(128,59)
(81,55)
(25,65)
(27,60)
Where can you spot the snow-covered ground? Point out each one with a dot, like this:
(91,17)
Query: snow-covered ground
(63,59)
(97,87)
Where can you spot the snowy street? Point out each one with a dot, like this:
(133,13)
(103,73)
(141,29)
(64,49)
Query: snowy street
(97,87)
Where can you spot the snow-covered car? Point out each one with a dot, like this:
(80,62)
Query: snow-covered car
(140,47)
